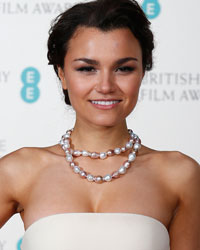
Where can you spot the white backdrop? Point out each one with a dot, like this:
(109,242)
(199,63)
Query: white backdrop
(32,110)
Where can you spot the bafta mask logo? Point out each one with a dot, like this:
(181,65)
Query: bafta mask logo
(30,78)
(151,8)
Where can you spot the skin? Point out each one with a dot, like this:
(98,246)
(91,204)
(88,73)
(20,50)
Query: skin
(44,185)
(104,80)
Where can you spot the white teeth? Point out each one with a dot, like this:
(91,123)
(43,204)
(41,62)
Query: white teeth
(105,102)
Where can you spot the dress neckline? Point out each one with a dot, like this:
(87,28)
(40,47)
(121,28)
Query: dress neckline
(98,214)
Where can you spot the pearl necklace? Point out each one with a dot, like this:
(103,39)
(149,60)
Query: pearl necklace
(134,144)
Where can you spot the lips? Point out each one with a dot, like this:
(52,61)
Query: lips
(105,103)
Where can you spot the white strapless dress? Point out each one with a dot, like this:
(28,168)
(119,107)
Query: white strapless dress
(96,231)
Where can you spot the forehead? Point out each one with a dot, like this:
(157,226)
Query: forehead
(93,41)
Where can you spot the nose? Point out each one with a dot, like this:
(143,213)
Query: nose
(106,83)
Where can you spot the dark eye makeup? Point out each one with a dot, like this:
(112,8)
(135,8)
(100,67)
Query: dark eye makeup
(86,69)
(92,69)
(125,69)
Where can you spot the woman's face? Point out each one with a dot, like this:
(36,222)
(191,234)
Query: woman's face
(102,73)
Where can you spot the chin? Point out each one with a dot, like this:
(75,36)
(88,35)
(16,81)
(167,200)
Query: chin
(106,122)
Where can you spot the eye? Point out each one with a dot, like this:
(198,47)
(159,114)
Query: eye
(86,69)
(125,69)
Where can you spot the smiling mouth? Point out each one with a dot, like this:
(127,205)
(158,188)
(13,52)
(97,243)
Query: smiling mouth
(105,102)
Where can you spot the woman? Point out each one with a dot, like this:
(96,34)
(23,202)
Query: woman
(109,185)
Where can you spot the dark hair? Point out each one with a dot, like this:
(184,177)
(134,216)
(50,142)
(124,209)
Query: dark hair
(105,15)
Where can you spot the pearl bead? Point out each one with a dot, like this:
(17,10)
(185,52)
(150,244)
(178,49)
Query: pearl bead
(94,155)
(122,170)
(69,157)
(103,155)
(72,164)
(69,151)
(117,151)
(131,157)
(127,164)
(123,149)
(90,177)
(98,179)
(69,131)
(66,135)
(107,177)
(77,153)
(137,146)
(61,142)
(129,145)
(65,146)
(115,174)
(83,174)
(76,169)
(110,152)
(85,153)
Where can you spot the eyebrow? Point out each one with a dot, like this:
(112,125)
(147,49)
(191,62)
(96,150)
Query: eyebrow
(118,62)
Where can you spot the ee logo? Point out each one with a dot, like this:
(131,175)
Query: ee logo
(30,78)
(151,8)
(19,244)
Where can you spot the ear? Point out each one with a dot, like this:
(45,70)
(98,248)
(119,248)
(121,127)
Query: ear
(61,75)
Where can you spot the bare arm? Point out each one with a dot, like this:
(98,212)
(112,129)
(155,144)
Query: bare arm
(9,173)
(185,227)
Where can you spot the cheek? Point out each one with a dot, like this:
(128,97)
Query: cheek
(131,88)
(77,86)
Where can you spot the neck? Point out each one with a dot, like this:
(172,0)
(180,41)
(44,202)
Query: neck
(99,138)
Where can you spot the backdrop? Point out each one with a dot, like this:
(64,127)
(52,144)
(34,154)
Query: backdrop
(32,109)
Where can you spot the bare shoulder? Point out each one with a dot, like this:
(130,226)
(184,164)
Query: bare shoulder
(15,166)
(10,163)
(183,177)
(177,169)
(20,166)
(18,160)
(10,166)
(185,174)
(26,161)
(17,171)
(172,160)
(178,164)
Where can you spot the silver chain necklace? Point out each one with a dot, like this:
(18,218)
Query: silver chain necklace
(134,144)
